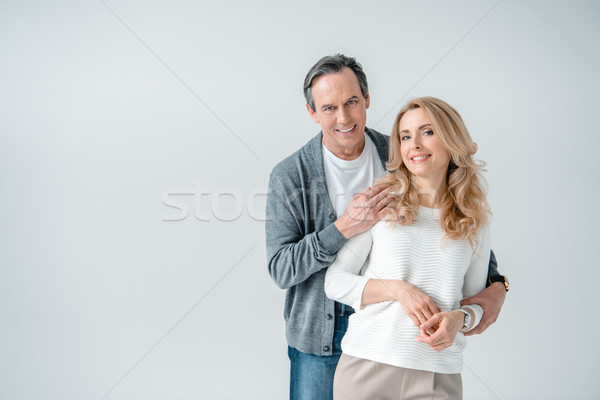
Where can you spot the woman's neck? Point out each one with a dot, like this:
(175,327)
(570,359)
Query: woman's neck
(431,191)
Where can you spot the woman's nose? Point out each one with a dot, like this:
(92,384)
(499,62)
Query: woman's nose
(417,142)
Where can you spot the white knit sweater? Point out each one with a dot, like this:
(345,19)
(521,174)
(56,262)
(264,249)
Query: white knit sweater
(446,270)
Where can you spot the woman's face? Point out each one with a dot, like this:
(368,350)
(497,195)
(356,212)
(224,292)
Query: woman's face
(422,151)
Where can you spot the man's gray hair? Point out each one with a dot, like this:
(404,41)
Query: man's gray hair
(332,65)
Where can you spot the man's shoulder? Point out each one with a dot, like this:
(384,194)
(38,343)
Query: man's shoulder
(380,141)
(377,137)
(301,159)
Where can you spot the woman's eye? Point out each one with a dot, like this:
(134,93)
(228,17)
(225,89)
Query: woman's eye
(427,133)
(405,138)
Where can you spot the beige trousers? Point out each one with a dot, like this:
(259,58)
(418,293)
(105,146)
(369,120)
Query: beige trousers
(358,379)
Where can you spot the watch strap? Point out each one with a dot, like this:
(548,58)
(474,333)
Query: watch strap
(499,278)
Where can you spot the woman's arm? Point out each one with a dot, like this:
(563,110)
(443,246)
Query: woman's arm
(415,303)
(344,283)
(476,276)
(490,299)
(439,331)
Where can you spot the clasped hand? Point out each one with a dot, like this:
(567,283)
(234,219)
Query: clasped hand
(438,328)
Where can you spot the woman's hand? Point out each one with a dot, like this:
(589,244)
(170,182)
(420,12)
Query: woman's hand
(440,330)
(415,302)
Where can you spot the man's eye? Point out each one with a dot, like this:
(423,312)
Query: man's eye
(352,102)
(328,109)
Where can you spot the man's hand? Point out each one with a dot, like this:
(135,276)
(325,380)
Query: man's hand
(491,300)
(363,211)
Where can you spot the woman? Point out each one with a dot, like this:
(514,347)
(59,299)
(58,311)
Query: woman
(407,274)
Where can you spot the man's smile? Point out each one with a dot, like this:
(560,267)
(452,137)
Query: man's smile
(346,130)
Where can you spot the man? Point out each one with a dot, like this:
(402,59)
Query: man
(311,213)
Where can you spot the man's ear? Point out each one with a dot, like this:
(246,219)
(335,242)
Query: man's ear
(313,114)
(367,101)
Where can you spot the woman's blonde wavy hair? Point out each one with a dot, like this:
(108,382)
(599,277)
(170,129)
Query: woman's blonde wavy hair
(464,209)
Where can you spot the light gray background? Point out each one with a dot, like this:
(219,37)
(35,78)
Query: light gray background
(108,109)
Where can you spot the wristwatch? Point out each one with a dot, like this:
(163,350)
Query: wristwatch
(467,322)
(499,278)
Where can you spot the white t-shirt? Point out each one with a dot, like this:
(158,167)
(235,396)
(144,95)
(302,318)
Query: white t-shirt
(345,179)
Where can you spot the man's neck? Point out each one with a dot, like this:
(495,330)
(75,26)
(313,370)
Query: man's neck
(345,153)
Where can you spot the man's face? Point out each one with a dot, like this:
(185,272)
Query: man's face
(341,110)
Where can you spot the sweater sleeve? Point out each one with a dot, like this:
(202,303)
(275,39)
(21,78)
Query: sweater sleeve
(476,276)
(343,281)
(292,255)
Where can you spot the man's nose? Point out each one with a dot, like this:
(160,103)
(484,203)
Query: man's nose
(343,115)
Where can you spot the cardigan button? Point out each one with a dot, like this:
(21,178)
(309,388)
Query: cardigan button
(329,316)
(325,348)
(331,216)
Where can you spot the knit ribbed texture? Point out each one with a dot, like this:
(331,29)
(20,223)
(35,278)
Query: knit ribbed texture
(418,254)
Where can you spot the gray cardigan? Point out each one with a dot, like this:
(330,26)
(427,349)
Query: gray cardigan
(302,241)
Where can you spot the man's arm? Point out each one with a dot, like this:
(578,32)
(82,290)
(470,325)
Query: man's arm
(293,256)
(490,299)
(493,267)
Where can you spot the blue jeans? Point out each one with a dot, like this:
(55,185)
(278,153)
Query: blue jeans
(311,376)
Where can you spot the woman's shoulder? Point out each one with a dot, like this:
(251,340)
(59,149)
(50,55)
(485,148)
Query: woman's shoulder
(363,239)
